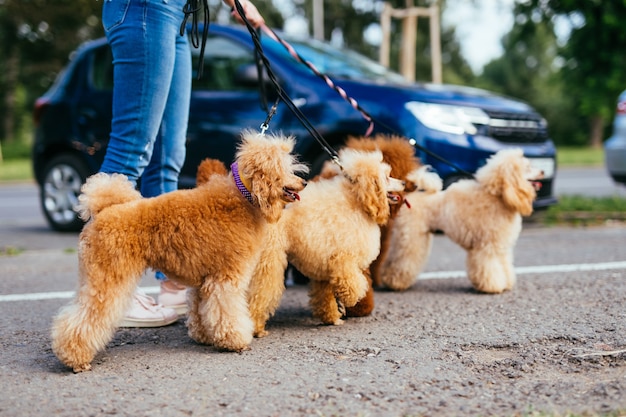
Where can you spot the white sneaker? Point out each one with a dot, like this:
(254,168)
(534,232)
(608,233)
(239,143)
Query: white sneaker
(174,296)
(145,312)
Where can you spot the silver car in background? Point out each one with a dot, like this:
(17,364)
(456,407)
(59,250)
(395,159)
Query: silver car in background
(615,146)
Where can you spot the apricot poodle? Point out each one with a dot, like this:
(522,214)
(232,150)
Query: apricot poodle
(400,155)
(331,235)
(208,238)
(483,216)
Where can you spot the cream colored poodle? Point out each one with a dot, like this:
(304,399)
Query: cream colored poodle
(331,235)
(208,238)
(483,216)
(400,155)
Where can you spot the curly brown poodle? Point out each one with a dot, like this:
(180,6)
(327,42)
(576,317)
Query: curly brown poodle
(208,238)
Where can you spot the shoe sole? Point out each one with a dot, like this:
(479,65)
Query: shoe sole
(180,309)
(146,323)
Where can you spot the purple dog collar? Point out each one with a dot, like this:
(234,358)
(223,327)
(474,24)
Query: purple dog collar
(234,168)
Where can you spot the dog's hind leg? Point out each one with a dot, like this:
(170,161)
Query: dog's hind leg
(223,311)
(409,252)
(195,327)
(323,303)
(87,324)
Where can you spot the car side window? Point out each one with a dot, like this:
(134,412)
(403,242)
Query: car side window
(102,69)
(228,66)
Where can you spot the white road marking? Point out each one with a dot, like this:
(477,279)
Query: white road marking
(543,269)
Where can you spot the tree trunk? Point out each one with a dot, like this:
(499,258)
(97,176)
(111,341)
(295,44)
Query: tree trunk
(596,132)
(10,77)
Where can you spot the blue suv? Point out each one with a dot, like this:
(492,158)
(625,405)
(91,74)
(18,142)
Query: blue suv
(461,125)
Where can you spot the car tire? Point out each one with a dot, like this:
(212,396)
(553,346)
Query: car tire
(62,177)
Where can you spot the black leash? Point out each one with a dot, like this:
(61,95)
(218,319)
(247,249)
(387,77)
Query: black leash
(281,92)
(192,9)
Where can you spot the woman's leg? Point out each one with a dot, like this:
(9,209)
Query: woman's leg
(143,36)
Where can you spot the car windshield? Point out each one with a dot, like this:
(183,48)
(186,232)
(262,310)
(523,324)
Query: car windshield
(335,62)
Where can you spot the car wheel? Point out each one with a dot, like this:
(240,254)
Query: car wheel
(63,177)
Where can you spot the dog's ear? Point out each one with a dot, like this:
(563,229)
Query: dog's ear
(258,175)
(518,193)
(371,193)
(267,188)
(503,176)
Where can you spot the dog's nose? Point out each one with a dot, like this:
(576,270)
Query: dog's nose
(304,183)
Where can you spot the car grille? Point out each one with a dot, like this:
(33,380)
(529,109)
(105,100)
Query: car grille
(511,127)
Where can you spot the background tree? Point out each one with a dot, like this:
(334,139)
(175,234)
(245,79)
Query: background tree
(353,18)
(37,38)
(529,70)
(593,73)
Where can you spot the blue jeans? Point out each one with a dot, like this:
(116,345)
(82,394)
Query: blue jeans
(151,92)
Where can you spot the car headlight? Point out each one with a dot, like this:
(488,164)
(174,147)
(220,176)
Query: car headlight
(448,118)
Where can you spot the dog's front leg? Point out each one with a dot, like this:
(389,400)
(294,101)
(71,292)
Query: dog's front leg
(489,271)
(268,281)
(224,315)
(323,303)
(348,281)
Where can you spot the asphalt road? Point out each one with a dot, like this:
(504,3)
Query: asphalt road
(556,343)
(590,182)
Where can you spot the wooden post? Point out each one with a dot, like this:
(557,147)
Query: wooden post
(435,45)
(409,38)
(407,47)
(385,27)
(318,19)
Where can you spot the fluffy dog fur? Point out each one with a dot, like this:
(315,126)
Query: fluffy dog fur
(483,216)
(208,238)
(400,155)
(331,235)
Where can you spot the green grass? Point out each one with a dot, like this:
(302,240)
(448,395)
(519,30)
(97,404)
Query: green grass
(16,170)
(570,156)
(578,210)
(15,164)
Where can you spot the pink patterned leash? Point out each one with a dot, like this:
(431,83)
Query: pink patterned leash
(323,76)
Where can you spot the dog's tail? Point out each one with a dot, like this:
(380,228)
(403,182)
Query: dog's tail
(102,191)
(425,179)
(209,167)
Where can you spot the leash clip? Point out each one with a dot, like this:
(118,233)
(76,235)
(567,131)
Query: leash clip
(266,124)
(264,127)
(335,159)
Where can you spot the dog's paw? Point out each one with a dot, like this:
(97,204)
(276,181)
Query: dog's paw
(350,295)
(234,341)
(261,333)
(82,368)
